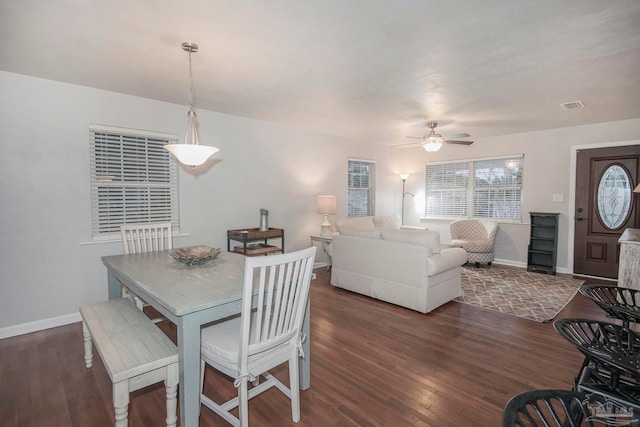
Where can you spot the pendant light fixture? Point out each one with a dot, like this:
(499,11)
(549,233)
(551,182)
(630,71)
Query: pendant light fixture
(191,153)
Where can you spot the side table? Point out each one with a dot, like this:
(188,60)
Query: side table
(325,245)
(247,236)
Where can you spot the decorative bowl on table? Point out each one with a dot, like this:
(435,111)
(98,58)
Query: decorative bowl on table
(194,255)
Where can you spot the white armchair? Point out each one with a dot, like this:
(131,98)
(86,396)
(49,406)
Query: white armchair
(477,237)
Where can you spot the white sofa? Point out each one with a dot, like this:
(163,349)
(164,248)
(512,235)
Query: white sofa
(405,267)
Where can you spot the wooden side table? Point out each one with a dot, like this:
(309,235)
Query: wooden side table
(249,236)
(325,245)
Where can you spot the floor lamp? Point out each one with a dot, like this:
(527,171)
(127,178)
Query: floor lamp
(403,177)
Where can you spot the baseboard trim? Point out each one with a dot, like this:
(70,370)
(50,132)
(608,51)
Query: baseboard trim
(510,263)
(561,270)
(39,325)
(601,279)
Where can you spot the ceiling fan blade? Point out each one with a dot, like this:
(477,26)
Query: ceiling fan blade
(457,135)
(410,145)
(449,141)
(416,137)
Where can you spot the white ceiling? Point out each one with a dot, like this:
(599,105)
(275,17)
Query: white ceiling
(369,70)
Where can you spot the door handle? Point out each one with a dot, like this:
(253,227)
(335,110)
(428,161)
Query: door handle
(579,218)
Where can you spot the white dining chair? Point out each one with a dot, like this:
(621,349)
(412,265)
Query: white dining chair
(145,237)
(262,337)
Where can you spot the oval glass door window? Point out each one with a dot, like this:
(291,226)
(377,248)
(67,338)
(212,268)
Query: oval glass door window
(614,197)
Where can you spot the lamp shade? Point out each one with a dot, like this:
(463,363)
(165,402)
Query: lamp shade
(404,176)
(191,154)
(637,189)
(326,205)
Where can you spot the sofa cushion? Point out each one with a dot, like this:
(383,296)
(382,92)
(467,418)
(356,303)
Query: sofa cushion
(355,222)
(387,221)
(371,233)
(429,239)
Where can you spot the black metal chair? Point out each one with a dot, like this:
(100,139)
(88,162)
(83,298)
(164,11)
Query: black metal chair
(612,358)
(618,303)
(560,408)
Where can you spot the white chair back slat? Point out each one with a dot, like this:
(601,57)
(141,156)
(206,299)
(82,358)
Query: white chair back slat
(147,237)
(281,289)
(292,296)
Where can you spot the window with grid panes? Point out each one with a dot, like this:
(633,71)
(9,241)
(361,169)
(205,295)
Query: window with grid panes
(483,188)
(361,188)
(133,180)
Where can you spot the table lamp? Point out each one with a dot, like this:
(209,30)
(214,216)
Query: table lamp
(326,206)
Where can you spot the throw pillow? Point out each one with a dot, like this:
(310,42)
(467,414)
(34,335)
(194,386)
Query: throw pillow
(355,222)
(430,239)
(387,221)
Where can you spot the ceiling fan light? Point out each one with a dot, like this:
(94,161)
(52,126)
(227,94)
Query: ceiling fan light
(432,146)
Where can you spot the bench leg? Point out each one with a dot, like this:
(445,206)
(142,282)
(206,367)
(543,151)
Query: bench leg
(171,386)
(121,403)
(88,346)
(139,303)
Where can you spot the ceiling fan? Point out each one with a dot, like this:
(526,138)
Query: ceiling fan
(433,141)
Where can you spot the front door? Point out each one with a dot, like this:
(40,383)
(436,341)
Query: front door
(605,207)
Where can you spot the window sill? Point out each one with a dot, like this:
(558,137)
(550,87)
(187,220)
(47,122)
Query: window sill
(119,240)
(499,221)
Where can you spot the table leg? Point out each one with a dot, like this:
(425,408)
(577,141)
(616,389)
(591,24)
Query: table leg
(189,361)
(114,286)
(304,364)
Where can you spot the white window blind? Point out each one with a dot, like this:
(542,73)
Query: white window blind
(361,188)
(498,188)
(447,190)
(133,180)
(484,188)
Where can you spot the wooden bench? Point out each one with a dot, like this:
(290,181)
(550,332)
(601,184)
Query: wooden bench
(134,351)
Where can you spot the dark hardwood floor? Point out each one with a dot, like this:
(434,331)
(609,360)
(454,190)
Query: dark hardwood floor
(372,364)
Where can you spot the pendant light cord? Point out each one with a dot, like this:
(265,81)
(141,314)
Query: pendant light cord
(190,83)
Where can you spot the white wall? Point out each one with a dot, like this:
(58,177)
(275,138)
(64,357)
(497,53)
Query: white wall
(547,171)
(49,270)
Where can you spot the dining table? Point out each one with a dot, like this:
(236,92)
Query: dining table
(190,296)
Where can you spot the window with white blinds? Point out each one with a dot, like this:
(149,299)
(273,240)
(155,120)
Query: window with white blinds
(361,188)
(447,190)
(484,188)
(133,180)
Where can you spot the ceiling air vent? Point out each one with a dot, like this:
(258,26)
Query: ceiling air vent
(573,105)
